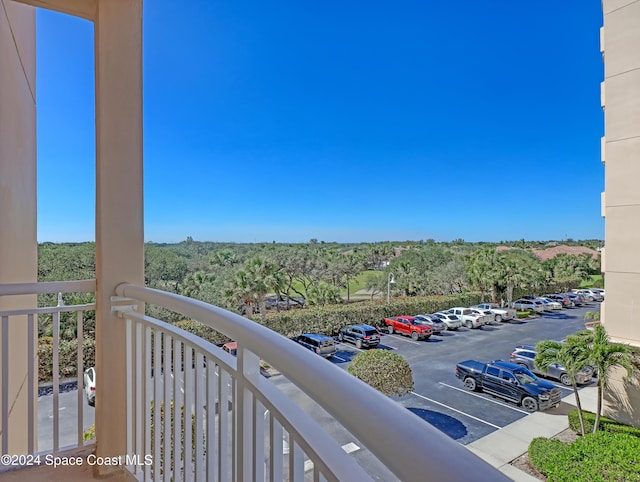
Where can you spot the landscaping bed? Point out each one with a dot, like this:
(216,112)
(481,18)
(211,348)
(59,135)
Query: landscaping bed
(523,463)
(567,457)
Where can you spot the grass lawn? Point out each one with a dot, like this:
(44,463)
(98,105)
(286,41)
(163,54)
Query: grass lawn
(359,282)
(596,280)
(356,284)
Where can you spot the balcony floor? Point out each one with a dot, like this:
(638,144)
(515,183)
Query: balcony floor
(46,473)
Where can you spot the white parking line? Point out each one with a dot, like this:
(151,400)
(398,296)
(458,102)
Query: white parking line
(339,358)
(348,448)
(560,385)
(400,337)
(484,398)
(350,346)
(457,411)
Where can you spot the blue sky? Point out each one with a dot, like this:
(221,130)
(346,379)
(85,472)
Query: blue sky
(341,121)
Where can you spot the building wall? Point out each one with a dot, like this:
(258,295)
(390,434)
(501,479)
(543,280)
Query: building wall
(620,41)
(18,234)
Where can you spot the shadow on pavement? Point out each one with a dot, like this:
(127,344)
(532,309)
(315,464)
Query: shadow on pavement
(448,425)
(556,316)
(47,388)
(489,328)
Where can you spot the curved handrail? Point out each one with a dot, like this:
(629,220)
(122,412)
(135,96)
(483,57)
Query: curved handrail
(323,447)
(406,444)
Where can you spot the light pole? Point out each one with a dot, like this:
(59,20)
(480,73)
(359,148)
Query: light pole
(390,279)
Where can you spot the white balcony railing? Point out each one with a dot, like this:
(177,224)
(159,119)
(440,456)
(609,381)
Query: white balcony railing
(206,415)
(29,314)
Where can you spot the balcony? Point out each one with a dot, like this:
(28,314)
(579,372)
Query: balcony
(195,412)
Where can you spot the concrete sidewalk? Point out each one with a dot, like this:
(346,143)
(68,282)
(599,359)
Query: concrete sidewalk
(510,442)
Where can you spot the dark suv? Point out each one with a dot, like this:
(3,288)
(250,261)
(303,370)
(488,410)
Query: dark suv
(360,335)
(323,345)
(524,355)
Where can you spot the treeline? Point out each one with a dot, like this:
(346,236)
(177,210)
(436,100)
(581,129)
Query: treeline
(250,278)
(240,277)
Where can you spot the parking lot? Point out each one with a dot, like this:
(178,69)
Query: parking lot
(438,396)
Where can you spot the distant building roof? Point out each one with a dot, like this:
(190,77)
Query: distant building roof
(548,253)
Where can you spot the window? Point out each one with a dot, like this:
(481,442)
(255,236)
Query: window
(493,371)
(508,377)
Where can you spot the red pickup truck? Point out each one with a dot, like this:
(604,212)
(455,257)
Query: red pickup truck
(408,325)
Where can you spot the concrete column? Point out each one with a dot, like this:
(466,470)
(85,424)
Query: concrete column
(18,235)
(119,203)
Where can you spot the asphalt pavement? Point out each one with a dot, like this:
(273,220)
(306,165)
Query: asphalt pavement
(491,428)
(476,420)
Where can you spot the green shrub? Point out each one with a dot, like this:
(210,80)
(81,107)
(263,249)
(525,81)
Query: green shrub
(329,319)
(67,357)
(602,456)
(90,433)
(202,330)
(542,452)
(606,424)
(384,370)
(524,314)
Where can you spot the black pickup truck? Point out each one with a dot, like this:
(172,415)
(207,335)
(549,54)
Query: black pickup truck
(509,381)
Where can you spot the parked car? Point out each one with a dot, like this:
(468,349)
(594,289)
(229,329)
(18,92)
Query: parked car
(452,322)
(509,381)
(578,300)
(589,294)
(89,386)
(549,304)
(500,314)
(408,325)
(360,335)
(231,347)
(530,305)
(323,345)
(600,291)
(436,324)
(560,298)
(524,355)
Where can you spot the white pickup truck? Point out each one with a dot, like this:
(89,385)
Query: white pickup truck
(500,314)
(468,318)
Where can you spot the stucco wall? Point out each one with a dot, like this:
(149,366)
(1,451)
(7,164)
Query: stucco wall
(621,101)
(622,398)
(620,38)
(18,242)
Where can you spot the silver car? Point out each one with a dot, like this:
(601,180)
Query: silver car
(524,355)
(550,304)
(436,324)
(531,305)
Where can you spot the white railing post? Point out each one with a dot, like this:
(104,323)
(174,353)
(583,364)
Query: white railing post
(31,385)
(237,401)
(56,381)
(248,373)
(24,319)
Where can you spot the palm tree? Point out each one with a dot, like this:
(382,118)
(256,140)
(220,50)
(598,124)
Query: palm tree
(251,284)
(520,267)
(573,355)
(606,355)
(591,319)
(483,271)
